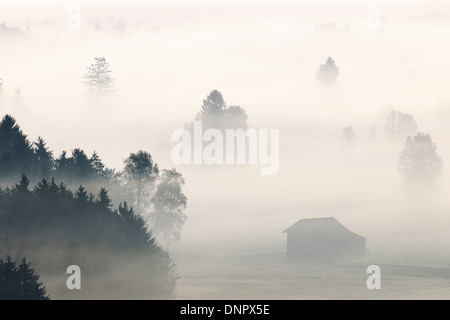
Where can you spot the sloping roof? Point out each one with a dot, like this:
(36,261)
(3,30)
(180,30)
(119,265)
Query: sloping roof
(320,225)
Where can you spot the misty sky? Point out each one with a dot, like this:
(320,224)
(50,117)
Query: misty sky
(166,56)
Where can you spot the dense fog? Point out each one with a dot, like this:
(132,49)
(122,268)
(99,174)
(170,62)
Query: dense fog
(166,57)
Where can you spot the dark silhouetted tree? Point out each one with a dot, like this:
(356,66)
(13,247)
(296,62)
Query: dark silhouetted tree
(103,199)
(81,165)
(83,229)
(20,282)
(98,78)
(81,195)
(97,165)
(44,158)
(136,231)
(18,155)
(328,72)
(419,162)
(16,152)
(22,187)
(169,203)
(141,173)
(63,166)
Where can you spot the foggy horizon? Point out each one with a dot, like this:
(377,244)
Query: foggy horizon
(167,57)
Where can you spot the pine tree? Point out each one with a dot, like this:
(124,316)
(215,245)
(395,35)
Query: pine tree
(103,199)
(22,187)
(52,216)
(16,152)
(98,78)
(97,164)
(81,195)
(136,232)
(63,166)
(81,165)
(44,158)
(20,282)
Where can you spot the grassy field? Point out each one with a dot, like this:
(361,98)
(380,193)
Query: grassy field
(271,276)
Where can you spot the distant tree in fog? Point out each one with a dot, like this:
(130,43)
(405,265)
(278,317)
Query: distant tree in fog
(169,203)
(19,282)
(328,72)
(1,94)
(18,100)
(141,173)
(98,78)
(215,113)
(419,162)
(235,117)
(400,124)
(348,136)
(213,105)
(158,198)
(44,158)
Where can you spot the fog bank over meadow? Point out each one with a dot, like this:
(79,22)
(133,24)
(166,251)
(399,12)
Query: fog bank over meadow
(166,57)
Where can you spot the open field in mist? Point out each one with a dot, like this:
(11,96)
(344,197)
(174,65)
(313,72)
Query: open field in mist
(166,57)
(248,275)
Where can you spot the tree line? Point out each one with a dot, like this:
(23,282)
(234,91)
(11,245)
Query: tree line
(154,193)
(55,227)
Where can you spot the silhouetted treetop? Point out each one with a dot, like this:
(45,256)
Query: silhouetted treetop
(16,152)
(141,172)
(19,282)
(215,113)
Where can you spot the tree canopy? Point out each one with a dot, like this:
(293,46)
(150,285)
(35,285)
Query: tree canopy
(168,216)
(419,162)
(215,113)
(80,228)
(98,78)
(400,125)
(20,282)
(328,72)
(136,184)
